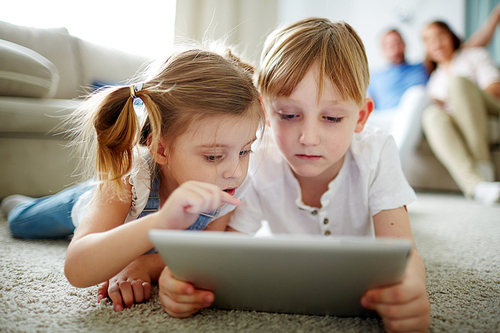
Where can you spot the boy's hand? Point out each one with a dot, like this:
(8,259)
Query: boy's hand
(403,306)
(180,299)
(131,285)
(189,200)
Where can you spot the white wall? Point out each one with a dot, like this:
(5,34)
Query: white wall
(371,17)
(143,27)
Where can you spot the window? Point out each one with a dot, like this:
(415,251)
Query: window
(143,27)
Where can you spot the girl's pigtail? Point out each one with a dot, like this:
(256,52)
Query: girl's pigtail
(151,130)
(116,126)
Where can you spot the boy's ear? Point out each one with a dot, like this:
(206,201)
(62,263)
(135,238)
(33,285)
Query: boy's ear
(261,99)
(160,155)
(364,113)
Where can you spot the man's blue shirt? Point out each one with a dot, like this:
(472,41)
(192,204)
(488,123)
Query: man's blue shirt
(387,86)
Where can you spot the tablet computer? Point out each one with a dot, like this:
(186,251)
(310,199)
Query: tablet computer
(302,274)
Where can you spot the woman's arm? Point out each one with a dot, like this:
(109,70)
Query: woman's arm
(494,89)
(483,36)
(403,306)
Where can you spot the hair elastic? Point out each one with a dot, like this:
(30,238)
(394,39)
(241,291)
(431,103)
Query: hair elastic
(135,88)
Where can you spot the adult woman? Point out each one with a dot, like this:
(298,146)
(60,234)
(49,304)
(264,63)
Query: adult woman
(464,87)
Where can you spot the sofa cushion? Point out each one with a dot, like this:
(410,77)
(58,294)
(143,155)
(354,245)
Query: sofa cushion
(54,44)
(25,73)
(30,117)
(101,65)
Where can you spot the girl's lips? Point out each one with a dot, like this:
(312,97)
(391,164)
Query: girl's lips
(230,190)
(308,157)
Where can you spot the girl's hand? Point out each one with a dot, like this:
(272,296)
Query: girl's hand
(131,285)
(403,306)
(180,299)
(189,200)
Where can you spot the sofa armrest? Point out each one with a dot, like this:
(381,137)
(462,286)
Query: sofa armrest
(22,116)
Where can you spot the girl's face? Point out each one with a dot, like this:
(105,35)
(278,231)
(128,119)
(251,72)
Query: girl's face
(216,150)
(438,44)
(314,135)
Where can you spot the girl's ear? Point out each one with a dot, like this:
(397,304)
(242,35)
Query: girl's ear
(160,155)
(261,99)
(364,113)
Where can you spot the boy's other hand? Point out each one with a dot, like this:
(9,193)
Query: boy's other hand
(403,306)
(180,299)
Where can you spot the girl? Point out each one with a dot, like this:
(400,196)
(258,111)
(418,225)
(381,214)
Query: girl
(180,167)
(324,172)
(465,88)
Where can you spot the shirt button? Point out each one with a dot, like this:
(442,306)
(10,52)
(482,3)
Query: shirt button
(314,212)
(325,221)
(327,233)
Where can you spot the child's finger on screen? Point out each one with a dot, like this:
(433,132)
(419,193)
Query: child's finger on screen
(228,198)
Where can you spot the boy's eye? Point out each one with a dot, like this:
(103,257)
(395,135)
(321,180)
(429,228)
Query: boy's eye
(213,158)
(334,119)
(244,153)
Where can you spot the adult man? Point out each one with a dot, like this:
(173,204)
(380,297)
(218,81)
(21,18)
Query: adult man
(399,95)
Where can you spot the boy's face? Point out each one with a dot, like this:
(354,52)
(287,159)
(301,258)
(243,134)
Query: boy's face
(314,135)
(215,151)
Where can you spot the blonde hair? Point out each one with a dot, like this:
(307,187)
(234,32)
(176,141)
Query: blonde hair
(189,86)
(290,51)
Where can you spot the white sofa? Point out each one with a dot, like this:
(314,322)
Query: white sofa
(44,73)
(424,172)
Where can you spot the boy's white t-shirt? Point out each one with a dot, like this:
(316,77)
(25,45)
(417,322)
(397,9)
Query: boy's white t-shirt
(369,181)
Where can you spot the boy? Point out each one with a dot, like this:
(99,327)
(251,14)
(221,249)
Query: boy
(321,171)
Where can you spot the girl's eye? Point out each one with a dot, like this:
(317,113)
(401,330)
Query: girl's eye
(213,158)
(287,116)
(244,153)
(334,119)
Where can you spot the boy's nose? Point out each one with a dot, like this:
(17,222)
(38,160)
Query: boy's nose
(309,135)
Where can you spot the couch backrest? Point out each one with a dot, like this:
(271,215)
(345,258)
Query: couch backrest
(101,65)
(58,46)
(81,64)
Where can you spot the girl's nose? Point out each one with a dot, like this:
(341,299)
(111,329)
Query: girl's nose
(234,171)
(309,135)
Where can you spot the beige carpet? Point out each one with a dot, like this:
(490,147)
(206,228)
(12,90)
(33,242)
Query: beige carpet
(458,239)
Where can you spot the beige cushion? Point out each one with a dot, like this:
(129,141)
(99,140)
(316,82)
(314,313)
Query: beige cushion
(54,44)
(23,117)
(25,73)
(103,65)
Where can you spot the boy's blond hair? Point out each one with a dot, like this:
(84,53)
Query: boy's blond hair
(290,51)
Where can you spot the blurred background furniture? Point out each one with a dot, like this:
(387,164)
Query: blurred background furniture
(44,73)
